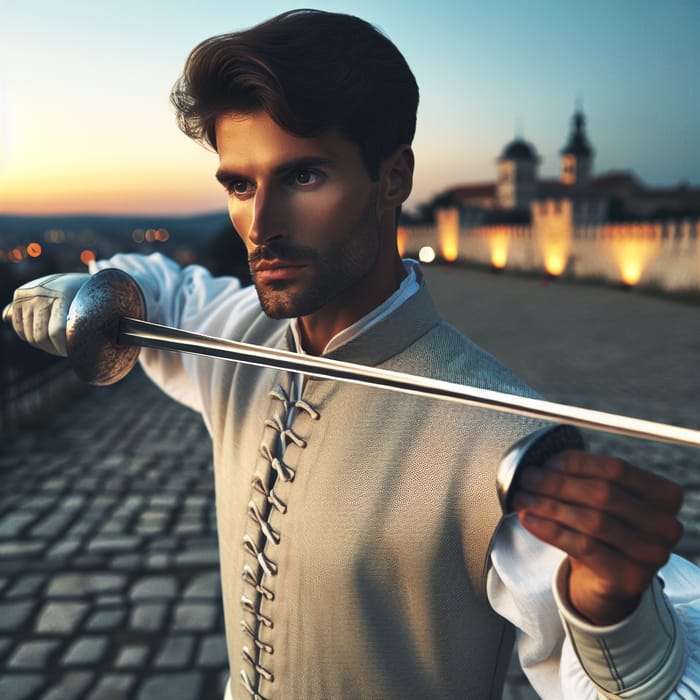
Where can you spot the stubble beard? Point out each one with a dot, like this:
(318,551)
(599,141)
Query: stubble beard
(335,272)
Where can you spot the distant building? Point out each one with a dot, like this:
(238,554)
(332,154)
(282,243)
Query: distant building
(516,187)
(518,194)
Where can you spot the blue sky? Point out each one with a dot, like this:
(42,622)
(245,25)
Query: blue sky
(84,92)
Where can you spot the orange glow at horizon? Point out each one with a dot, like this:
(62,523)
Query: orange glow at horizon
(448,233)
(116,197)
(98,177)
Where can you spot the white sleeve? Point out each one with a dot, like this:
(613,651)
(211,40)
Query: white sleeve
(189,298)
(520,589)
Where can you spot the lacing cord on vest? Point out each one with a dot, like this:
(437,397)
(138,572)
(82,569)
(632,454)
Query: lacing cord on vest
(267,529)
(283,471)
(250,578)
(267,565)
(287,434)
(261,517)
(248,685)
(258,643)
(270,495)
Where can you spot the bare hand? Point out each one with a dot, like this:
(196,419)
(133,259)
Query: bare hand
(617,523)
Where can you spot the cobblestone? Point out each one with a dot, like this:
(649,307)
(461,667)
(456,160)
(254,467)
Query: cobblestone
(61,618)
(85,651)
(176,652)
(70,687)
(113,686)
(32,654)
(109,583)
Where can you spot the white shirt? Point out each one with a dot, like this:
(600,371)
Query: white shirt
(520,580)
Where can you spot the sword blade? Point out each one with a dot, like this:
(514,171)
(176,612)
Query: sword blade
(133,331)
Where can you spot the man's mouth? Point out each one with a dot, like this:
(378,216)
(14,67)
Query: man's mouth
(270,270)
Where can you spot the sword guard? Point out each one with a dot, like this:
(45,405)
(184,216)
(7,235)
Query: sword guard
(92,327)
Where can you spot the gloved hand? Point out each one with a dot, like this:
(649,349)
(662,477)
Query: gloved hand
(40,307)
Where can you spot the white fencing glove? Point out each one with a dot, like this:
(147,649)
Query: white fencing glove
(40,307)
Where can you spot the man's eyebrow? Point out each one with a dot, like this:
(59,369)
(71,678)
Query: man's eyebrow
(226,175)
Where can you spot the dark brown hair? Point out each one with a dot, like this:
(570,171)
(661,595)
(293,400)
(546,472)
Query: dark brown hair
(310,71)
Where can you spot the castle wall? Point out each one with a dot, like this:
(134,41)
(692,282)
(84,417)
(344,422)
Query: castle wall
(658,254)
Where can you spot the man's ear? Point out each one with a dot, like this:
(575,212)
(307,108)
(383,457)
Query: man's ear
(395,179)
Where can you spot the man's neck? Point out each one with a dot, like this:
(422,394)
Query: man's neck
(316,330)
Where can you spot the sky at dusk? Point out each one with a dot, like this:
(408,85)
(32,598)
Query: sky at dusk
(86,126)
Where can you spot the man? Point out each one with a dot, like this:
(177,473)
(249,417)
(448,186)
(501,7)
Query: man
(363,554)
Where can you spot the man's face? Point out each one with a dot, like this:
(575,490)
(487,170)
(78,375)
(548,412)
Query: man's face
(305,209)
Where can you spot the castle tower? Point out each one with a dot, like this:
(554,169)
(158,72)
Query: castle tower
(517,175)
(577,155)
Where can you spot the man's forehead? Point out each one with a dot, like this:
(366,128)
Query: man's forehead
(257,137)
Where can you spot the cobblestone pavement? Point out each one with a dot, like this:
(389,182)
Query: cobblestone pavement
(109,583)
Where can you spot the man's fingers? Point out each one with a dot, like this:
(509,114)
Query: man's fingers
(600,471)
(616,576)
(583,531)
(602,499)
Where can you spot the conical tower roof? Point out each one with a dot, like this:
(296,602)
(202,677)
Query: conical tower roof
(578,142)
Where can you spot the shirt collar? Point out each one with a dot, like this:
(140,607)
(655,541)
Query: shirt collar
(410,284)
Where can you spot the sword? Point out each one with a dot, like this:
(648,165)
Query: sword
(106,329)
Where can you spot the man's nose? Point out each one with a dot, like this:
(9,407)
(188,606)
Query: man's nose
(267,221)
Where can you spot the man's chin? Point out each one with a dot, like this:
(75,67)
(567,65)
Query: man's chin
(283,304)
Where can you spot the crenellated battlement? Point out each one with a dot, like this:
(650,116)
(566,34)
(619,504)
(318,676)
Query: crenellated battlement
(568,239)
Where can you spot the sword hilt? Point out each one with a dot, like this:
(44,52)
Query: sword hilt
(92,326)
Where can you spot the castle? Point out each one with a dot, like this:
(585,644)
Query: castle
(610,226)
(611,196)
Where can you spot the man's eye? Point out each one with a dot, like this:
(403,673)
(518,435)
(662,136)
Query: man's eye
(305,177)
(238,187)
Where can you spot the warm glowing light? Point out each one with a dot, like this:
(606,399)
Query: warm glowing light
(631,272)
(554,262)
(401,239)
(499,249)
(162,235)
(555,235)
(426,254)
(448,233)
(633,247)
(17,254)
(87,256)
(34,250)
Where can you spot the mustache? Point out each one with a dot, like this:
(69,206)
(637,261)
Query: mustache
(281,251)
